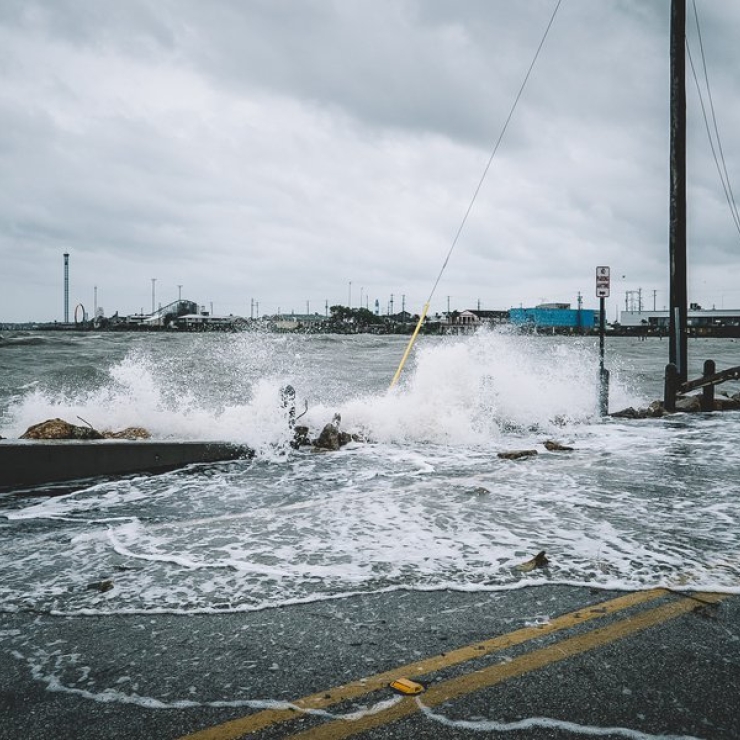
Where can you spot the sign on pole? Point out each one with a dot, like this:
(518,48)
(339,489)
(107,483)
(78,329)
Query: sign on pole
(603,281)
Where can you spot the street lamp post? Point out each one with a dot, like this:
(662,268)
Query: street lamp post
(154,280)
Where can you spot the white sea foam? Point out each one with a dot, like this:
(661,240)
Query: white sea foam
(546,723)
(59,671)
(457,391)
(425,505)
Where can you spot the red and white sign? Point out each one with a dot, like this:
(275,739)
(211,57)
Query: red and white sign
(603,282)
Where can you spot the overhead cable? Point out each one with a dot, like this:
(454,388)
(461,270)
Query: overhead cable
(717,151)
(475,195)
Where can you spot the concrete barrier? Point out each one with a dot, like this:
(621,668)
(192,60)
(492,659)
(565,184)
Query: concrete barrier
(30,463)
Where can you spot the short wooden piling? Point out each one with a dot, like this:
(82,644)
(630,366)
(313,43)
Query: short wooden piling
(670,388)
(707,392)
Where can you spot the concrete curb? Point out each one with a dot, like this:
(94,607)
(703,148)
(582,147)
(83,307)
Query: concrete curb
(30,463)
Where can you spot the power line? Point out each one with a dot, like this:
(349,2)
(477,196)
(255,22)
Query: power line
(472,200)
(719,160)
(495,149)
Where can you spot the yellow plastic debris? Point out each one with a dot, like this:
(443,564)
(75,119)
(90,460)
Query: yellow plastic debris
(406,686)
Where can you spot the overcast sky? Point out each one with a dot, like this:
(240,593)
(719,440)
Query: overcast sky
(300,152)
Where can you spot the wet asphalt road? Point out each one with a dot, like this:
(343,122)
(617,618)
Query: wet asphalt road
(667,664)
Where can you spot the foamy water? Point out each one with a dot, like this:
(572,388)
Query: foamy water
(424,504)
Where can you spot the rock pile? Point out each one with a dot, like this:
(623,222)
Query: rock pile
(331,437)
(686,403)
(60,429)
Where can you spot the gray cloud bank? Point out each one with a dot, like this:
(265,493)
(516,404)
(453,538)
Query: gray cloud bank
(278,151)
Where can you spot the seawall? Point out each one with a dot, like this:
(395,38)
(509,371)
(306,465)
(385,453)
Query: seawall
(30,463)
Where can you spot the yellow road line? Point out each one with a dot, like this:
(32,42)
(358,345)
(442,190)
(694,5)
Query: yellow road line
(251,723)
(470,682)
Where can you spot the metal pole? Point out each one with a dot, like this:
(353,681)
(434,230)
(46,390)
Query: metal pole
(603,372)
(66,288)
(154,280)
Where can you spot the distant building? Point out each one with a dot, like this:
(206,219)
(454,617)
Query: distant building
(167,315)
(297,321)
(466,322)
(701,322)
(205,322)
(555,316)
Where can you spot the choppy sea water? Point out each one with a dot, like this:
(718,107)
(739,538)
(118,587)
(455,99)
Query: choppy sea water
(424,504)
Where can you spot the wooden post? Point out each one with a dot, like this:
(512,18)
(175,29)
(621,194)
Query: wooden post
(678,338)
(671,387)
(707,392)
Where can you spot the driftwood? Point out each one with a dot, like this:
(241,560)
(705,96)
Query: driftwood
(538,561)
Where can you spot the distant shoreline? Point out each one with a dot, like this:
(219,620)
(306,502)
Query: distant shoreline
(721,332)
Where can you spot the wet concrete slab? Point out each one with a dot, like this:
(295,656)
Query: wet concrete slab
(34,462)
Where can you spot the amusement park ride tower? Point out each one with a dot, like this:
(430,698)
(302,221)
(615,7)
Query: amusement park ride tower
(66,288)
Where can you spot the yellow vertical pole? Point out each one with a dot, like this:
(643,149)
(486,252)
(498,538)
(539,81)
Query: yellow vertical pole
(410,345)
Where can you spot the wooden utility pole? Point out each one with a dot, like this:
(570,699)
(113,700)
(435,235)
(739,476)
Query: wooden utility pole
(678,345)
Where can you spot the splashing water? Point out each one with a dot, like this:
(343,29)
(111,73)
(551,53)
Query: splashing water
(426,504)
(228,388)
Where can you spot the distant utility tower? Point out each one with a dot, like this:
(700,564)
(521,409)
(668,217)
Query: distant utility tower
(66,288)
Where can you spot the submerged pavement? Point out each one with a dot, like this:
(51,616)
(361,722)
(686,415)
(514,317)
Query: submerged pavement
(544,662)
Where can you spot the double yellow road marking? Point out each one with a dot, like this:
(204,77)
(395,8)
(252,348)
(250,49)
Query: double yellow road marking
(468,682)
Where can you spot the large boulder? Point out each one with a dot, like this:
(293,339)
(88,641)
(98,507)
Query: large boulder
(653,411)
(329,439)
(726,403)
(688,404)
(60,429)
(656,410)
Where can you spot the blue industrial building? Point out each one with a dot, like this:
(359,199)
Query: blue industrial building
(556,316)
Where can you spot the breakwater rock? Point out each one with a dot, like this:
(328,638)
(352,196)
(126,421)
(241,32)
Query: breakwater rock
(684,404)
(331,438)
(61,429)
